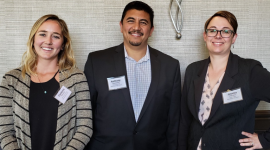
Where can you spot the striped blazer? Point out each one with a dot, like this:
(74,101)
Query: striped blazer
(74,121)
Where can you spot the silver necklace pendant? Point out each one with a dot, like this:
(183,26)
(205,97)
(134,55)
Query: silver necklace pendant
(41,85)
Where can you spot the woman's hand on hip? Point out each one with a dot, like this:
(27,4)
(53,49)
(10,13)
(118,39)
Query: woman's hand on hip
(252,140)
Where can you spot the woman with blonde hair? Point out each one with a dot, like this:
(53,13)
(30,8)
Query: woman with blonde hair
(45,103)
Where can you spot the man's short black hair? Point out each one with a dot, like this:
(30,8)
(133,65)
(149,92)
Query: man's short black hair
(139,5)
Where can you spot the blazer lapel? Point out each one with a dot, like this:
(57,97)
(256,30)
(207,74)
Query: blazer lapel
(226,83)
(198,86)
(120,67)
(155,69)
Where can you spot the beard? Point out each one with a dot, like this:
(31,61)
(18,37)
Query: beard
(135,43)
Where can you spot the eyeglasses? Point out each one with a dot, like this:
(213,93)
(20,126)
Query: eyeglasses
(224,33)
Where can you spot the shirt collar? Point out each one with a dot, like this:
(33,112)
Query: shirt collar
(146,57)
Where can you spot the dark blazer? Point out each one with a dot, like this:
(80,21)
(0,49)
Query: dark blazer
(222,130)
(115,127)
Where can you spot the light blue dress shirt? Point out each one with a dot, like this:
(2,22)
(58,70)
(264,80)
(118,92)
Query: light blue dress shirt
(139,79)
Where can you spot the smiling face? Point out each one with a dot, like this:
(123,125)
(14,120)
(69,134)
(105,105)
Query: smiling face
(48,40)
(218,44)
(136,28)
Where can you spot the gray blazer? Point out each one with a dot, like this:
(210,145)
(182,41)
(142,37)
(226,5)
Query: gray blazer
(74,122)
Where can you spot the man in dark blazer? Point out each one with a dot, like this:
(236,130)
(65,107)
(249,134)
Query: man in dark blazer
(135,89)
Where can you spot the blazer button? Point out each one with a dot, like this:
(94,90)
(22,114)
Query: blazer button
(135,132)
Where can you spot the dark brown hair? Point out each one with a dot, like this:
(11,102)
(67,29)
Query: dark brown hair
(139,5)
(227,15)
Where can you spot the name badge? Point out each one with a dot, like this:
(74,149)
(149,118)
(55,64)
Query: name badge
(115,83)
(232,96)
(63,94)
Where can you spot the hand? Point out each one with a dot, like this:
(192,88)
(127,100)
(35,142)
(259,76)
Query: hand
(252,140)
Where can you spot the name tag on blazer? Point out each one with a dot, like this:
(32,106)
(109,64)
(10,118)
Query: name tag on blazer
(115,83)
(232,96)
(63,94)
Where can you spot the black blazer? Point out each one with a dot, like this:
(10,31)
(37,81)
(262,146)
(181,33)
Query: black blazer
(115,127)
(222,130)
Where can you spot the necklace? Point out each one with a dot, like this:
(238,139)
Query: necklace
(41,85)
(45,92)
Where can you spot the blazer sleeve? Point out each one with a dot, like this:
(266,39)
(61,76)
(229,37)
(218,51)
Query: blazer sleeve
(7,131)
(186,116)
(260,87)
(89,72)
(84,115)
(174,112)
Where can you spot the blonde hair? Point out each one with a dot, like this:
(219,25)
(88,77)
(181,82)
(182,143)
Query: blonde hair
(66,59)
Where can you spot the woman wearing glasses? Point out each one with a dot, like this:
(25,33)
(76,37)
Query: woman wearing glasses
(221,93)
(45,103)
